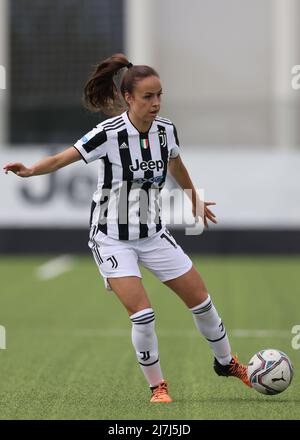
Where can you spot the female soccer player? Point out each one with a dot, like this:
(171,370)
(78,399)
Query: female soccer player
(136,149)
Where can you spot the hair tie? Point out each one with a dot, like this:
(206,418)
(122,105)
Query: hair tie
(129,65)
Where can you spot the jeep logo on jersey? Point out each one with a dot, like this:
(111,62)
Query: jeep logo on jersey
(145,166)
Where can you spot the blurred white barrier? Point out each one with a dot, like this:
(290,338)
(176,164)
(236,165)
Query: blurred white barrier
(4,63)
(252,189)
(2,338)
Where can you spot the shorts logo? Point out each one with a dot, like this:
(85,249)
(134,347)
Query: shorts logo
(113,261)
(147,165)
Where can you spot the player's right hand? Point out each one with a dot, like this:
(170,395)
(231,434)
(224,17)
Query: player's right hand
(18,168)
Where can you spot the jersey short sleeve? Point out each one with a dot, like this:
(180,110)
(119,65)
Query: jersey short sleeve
(175,148)
(93,145)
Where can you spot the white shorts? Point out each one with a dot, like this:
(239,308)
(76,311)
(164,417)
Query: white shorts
(159,253)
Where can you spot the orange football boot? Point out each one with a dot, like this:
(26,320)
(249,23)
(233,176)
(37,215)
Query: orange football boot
(160,393)
(234,369)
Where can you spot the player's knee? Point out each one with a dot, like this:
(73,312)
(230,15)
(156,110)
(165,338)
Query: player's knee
(137,308)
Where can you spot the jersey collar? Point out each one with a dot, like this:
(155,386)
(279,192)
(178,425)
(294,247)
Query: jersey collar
(133,130)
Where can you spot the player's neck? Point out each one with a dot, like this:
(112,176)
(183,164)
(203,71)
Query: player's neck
(139,124)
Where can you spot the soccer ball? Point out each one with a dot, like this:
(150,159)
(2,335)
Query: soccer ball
(270,371)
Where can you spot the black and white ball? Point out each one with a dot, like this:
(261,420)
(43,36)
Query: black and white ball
(270,371)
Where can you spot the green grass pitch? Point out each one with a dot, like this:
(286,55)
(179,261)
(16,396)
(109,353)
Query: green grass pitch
(69,355)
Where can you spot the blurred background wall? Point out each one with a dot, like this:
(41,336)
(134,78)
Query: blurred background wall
(226,69)
(53,47)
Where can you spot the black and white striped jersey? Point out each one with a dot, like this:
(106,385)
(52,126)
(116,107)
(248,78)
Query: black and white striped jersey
(132,172)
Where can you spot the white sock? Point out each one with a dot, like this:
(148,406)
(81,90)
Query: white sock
(210,325)
(145,344)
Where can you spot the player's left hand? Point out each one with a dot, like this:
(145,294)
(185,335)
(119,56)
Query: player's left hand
(205,214)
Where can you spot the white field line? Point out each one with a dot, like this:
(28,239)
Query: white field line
(238,333)
(244,333)
(55,267)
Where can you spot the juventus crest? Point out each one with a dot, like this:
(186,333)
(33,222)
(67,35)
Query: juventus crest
(162,137)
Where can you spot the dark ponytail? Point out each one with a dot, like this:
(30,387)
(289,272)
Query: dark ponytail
(100,91)
(102,94)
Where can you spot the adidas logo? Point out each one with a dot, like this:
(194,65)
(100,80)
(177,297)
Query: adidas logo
(124,145)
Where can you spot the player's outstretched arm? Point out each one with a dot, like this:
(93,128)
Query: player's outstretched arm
(200,208)
(46,165)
